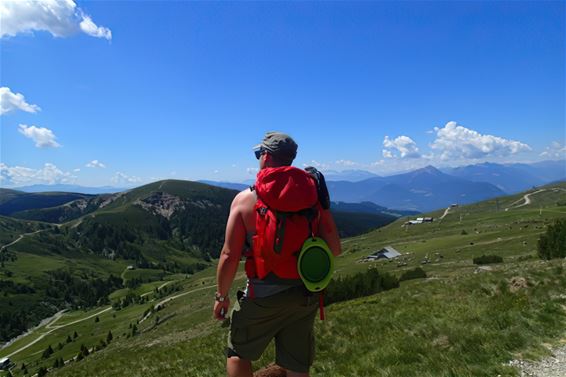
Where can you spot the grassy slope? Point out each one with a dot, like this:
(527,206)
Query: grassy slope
(456,323)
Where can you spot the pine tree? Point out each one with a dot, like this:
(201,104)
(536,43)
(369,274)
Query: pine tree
(75,335)
(69,340)
(109,337)
(552,244)
(48,352)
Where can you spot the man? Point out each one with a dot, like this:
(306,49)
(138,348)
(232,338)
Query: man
(271,307)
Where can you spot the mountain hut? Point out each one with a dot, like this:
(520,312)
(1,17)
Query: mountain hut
(387,252)
(5,363)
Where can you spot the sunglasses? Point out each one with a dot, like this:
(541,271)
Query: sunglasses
(258,152)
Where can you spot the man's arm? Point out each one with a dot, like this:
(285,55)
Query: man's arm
(229,257)
(329,233)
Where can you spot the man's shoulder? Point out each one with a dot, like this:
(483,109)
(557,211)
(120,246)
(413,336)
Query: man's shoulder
(245,198)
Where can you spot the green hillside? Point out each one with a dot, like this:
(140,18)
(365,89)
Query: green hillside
(168,226)
(12,201)
(63,213)
(462,320)
(354,223)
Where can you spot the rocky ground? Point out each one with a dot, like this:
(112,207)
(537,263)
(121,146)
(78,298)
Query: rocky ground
(552,366)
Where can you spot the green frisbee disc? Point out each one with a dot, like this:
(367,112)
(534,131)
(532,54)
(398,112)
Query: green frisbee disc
(315,264)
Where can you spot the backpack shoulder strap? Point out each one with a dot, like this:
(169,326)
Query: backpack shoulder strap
(322,189)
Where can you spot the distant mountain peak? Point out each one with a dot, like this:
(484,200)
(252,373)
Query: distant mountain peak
(429,169)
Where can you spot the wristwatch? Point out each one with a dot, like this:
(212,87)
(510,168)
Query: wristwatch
(218,297)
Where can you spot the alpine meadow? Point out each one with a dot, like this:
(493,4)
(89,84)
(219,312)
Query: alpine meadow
(416,149)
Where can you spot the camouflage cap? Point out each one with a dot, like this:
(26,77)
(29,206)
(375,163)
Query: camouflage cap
(280,144)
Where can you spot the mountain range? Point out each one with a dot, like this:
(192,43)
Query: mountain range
(429,188)
(420,190)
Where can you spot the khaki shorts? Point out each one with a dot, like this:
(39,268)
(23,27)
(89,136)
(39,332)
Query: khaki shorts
(287,317)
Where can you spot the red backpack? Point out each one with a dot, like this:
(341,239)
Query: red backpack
(287,214)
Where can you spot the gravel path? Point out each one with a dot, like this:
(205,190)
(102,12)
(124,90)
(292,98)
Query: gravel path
(552,366)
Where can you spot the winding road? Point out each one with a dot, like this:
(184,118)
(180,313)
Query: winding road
(52,327)
(526,198)
(20,238)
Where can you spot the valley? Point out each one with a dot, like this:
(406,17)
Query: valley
(429,327)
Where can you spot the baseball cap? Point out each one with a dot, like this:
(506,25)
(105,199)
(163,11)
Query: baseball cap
(278,143)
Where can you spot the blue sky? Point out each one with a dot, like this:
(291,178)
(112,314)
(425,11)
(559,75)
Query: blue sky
(123,93)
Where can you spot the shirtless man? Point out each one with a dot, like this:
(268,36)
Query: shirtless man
(279,309)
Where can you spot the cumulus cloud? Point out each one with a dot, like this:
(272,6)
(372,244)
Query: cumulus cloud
(401,146)
(122,178)
(48,174)
(43,137)
(61,18)
(10,101)
(555,150)
(457,142)
(95,164)
(319,165)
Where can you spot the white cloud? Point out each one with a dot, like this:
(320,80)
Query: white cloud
(457,142)
(377,163)
(10,101)
(346,163)
(122,178)
(252,171)
(93,30)
(319,165)
(48,174)
(76,170)
(401,146)
(43,137)
(555,150)
(95,164)
(61,18)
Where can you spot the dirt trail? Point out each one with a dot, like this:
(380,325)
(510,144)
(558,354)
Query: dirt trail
(20,238)
(55,318)
(52,328)
(526,198)
(446,212)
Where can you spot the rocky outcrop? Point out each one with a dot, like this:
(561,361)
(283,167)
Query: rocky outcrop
(161,203)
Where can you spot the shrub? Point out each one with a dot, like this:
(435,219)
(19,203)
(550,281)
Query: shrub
(417,273)
(359,285)
(487,259)
(552,243)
